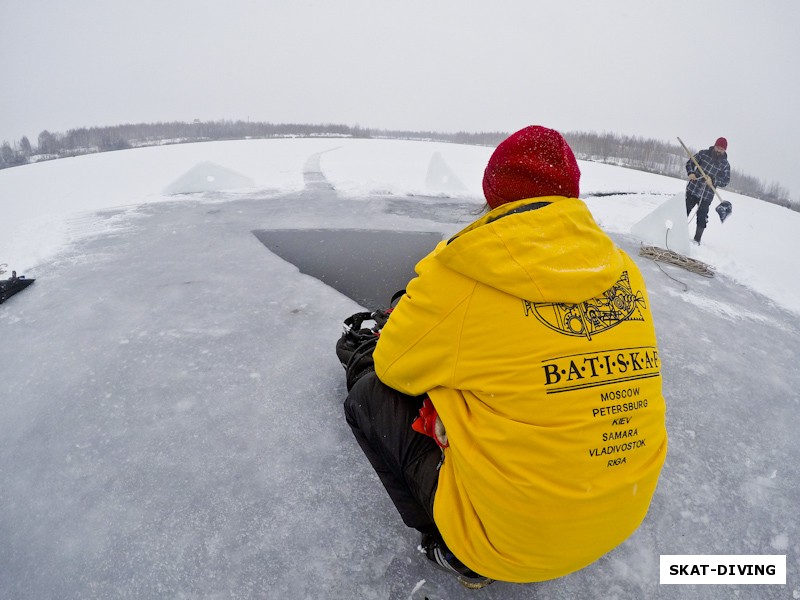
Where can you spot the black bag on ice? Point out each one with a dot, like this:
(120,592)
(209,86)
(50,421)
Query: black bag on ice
(9,287)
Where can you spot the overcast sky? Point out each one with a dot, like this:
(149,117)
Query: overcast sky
(684,68)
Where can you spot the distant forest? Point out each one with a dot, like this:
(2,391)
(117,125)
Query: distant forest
(650,155)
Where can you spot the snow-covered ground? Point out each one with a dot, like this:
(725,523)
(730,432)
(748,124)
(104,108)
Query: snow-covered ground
(170,422)
(758,246)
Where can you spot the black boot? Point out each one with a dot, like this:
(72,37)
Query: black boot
(698,234)
(437,551)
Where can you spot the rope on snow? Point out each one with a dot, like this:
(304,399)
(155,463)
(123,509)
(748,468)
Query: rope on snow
(658,255)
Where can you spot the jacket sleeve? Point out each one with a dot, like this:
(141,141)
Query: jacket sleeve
(690,167)
(724,175)
(418,347)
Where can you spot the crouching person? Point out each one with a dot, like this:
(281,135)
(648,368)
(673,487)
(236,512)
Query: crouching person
(515,412)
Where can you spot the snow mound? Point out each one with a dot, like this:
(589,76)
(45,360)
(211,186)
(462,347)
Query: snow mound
(208,177)
(662,227)
(440,177)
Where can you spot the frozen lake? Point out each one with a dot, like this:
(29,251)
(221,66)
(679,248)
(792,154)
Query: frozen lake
(172,424)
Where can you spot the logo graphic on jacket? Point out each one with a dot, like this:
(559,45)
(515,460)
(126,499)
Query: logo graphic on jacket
(617,304)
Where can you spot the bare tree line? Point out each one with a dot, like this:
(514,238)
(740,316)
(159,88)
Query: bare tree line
(650,155)
(663,158)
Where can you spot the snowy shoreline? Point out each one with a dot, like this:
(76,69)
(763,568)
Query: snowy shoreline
(48,205)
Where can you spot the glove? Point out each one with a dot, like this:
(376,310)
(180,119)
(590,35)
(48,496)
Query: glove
(428,423)
(692,177)
(709,181)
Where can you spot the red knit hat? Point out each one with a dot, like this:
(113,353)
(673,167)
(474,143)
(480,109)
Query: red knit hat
(722,143)
(533,162)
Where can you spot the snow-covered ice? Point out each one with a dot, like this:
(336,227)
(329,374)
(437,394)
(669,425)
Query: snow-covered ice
(171,408)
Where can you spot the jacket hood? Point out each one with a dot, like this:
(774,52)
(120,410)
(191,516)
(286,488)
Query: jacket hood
(547,249)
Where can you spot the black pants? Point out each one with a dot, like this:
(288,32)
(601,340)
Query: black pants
(406,462)
(702,208)
(702,213)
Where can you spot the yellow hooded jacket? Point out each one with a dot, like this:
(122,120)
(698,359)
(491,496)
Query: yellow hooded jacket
(531,332)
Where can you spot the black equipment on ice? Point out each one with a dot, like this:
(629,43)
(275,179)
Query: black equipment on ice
(354,348)
(9,287)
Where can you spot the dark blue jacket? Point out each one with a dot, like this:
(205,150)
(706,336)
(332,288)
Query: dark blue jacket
(715,166)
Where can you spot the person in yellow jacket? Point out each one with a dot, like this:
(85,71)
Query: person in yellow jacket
(525,349)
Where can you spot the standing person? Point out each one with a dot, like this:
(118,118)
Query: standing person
(699,190)
(515,413)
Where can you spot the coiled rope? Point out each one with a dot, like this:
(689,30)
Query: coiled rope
(670,256)
(658,255)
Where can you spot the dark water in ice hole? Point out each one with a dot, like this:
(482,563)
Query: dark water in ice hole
(365,265)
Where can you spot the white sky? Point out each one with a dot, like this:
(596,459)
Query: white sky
(696,70)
